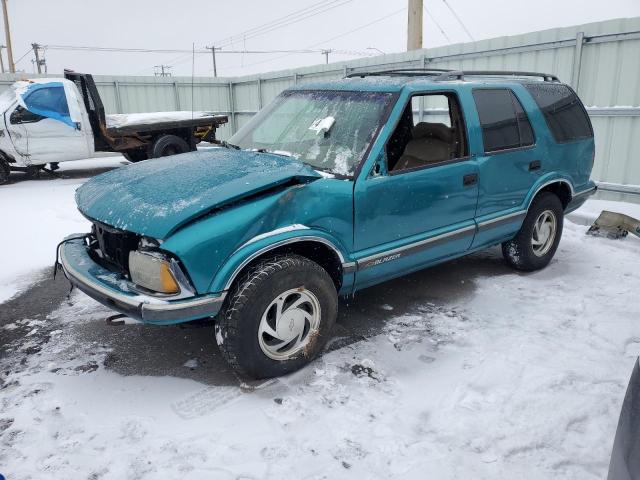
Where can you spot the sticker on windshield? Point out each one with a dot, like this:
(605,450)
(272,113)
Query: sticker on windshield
(322,125)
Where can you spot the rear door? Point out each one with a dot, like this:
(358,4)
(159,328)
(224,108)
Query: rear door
(509,163)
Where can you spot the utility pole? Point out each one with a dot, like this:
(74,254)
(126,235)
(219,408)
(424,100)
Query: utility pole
(36,52)
(1,60)
(7,33)
(326,55)
(164,71)
(213,49)
(414,25)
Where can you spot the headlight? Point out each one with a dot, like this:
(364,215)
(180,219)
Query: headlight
(153,272)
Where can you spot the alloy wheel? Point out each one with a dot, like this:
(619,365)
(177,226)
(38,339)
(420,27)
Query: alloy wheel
(289,323)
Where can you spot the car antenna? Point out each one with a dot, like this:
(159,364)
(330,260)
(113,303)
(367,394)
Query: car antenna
(193,68)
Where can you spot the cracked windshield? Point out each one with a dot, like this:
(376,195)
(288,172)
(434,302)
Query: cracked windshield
(329,130)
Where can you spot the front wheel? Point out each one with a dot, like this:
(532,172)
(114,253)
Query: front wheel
(535,244)
(278,317)
(4,171)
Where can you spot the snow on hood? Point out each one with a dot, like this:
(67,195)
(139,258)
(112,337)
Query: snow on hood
(119,120)
(157,196)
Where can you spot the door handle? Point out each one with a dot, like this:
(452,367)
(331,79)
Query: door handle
(470,179)
(535,165)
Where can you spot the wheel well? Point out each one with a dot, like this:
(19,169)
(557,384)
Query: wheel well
(7,158)
(183,133)
(559,189)
(317,252)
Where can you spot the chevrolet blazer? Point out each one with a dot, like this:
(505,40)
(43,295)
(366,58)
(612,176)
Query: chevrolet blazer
(330,189)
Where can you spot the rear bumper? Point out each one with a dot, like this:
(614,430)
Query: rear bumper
(117,293)
(579,198)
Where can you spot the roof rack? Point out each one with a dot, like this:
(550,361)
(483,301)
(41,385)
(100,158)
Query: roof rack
(460,74)
(408,72)
(440,75)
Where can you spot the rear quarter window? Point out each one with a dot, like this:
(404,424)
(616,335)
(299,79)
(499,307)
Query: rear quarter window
(504,122)
(565,115)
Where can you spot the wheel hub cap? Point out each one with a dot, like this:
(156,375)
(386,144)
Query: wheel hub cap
(544,233)
(289,323)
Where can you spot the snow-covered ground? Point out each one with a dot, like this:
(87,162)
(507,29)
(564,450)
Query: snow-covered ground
(36,215)
(510,376)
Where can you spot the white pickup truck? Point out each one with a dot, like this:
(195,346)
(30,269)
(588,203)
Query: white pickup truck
(52,120)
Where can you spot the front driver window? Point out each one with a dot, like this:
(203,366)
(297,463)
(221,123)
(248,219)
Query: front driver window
(431,131)
(51,99)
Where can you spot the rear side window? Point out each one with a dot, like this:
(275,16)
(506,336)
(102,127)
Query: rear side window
(565,115)
(504,122)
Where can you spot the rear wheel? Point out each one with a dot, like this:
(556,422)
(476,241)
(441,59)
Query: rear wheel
(33,172)
(4,171)
(535,244)
(278,317)
(169,145)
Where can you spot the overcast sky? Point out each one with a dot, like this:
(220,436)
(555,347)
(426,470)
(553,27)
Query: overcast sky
(171,24)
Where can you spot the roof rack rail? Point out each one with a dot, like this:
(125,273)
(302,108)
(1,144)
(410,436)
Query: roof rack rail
(411,72)
(441,74)
(460,74)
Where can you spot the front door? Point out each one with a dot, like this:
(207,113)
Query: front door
(50,134)
(419,207)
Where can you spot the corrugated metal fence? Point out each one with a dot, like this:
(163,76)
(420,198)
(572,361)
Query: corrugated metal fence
(600,60)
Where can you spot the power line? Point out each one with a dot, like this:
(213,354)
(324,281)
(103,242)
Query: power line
(436,23)
(290,19)
(116,49)
(161,50)
(25,54)
(281,22)
(361,27)
(271,23)
(459,19)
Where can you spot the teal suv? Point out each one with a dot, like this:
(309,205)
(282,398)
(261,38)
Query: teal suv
(330,189)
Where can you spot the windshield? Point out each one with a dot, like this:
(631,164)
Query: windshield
(329,130)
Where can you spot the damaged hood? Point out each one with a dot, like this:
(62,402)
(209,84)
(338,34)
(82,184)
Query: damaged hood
(157,196)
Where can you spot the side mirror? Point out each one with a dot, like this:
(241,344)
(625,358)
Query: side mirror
(16,115)
(22,115)
(380,167)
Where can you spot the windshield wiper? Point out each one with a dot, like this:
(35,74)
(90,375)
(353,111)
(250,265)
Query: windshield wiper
(226,144)
(275,152)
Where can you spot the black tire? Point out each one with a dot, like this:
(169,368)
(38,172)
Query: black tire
(169,145)
(33,172)
(4,171)
(238,324)
(520,252)
(137,155)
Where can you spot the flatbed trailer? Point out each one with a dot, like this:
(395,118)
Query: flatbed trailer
(52,120)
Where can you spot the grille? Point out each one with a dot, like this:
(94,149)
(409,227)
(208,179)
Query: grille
(114,245)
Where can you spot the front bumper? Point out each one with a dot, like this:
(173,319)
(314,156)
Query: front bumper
(115,292)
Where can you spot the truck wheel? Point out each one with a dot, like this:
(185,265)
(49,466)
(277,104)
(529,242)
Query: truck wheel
(535,244)
(33,172)
(169,145)
(136,155)
(278,317)
(4,171)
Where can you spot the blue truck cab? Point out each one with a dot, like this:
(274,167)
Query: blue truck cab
(330,189)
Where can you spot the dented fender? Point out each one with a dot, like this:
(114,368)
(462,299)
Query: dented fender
(266,242)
